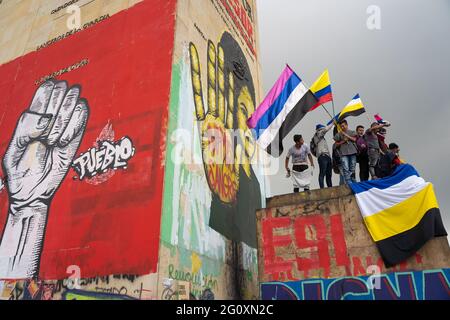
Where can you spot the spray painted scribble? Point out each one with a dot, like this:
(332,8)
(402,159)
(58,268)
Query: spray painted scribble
(109,155)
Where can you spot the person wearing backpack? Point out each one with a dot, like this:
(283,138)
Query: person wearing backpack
(362,157)
(319,148)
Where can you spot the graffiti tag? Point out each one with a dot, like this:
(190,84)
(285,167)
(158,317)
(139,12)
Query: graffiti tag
(108,155)
(419,285)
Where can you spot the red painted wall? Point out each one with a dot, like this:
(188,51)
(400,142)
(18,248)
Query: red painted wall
(112,227)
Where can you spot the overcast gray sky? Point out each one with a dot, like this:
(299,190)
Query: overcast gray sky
(401,71)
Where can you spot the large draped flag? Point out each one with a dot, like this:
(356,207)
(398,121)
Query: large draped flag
(284,106)
(401,213)
(354,108)
(322,89)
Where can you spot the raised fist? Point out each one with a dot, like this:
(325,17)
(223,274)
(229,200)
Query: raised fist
(38,158)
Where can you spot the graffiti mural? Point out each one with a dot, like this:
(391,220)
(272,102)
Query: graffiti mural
(418,285)
(231,100)
(326,238)
(37,160)
(125,56)
(83,166)
(86,295)
(117,287)
(208,219)
(315,246)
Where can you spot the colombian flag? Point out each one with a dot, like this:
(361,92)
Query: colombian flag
(322,90)
(354,108)
(401,213)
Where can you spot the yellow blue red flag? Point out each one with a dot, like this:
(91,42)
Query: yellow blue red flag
(322,90)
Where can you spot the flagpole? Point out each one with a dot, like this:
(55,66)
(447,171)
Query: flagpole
(367,115)
(331,117)
(336,124)
(334,112)
(368,119)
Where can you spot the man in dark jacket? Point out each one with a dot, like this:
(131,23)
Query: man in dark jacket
(389,161)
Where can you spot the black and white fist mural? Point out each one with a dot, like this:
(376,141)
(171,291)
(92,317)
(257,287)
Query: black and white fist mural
(38,158)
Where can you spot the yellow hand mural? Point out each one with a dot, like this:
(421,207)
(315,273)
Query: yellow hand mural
(222,158)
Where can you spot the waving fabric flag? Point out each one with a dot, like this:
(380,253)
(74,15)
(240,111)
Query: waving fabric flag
(284,106)
(379,119)
(322,89)
(401,213)
(354,108)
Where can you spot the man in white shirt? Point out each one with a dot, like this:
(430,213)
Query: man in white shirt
(301,176)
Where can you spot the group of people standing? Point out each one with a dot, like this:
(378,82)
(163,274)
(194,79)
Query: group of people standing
(367,148)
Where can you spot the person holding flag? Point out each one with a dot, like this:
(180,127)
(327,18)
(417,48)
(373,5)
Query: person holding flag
(285,105)
(319,146)
(346,139)
(346,144)
(373,146)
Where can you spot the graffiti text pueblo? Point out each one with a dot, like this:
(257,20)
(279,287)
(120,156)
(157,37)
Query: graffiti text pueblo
(109,155)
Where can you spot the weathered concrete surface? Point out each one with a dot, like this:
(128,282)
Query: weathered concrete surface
(313,195)
(28,25)
(321,234)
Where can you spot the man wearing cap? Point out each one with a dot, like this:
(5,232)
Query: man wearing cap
(323,155)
